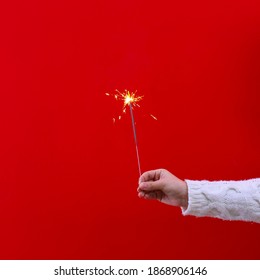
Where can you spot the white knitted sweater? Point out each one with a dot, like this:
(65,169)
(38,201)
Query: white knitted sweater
(228,200)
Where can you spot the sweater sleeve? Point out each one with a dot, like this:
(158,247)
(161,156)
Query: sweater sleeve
(227,200)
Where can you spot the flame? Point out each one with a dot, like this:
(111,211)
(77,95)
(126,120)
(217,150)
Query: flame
(128,98)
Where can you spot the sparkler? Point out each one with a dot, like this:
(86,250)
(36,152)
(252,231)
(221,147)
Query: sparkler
(130,99)
(134,131)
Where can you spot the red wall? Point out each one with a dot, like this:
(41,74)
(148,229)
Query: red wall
(68,175)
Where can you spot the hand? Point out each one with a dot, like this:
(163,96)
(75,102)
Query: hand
(161,185)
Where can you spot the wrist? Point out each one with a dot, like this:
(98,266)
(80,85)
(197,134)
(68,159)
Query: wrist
(184,197)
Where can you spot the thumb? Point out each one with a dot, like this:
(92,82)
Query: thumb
(151,186)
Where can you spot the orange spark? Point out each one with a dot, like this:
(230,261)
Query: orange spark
(128,98)
(153,117)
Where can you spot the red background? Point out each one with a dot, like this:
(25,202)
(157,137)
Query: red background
(68,175)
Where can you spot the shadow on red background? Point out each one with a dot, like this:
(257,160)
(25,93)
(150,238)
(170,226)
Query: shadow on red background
(68,176)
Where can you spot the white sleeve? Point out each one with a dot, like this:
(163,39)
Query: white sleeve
(228,200)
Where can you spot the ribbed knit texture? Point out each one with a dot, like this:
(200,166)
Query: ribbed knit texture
(227,200)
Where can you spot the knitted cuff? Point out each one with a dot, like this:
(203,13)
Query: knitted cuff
(198,204)
(228,200)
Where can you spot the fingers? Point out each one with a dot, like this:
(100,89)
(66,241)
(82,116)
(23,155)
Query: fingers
(151,195)
(152,175)
(151,186)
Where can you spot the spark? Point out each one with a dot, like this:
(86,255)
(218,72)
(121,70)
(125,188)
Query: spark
(153,117)
(128,98)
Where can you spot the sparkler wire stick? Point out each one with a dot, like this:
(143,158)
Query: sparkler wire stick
(135,138)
